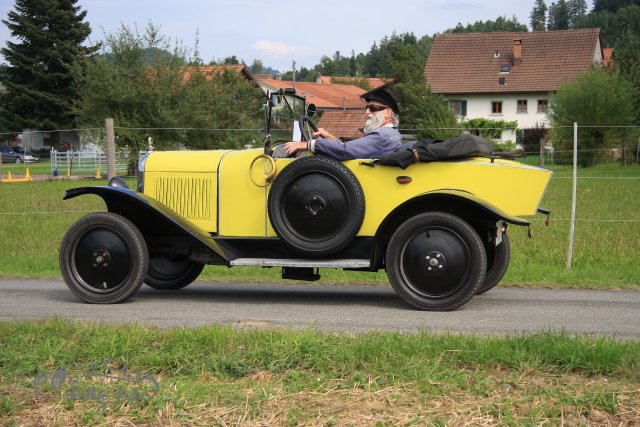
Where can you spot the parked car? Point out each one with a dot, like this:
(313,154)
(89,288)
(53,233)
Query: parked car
(17,155)
(438,228)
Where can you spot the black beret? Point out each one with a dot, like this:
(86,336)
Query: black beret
(383,97)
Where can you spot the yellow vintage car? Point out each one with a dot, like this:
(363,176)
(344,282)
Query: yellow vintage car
(438,228)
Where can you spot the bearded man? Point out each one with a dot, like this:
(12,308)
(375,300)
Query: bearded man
(381,135)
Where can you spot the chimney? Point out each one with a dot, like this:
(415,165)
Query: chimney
(517,52)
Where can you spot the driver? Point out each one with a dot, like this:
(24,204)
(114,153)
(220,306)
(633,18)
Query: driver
(380,129)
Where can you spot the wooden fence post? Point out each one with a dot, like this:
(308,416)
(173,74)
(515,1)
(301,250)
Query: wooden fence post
(111,148)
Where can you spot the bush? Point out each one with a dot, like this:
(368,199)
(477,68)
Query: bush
(531,138)
(598,101)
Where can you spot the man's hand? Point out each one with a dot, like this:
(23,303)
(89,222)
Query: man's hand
(323,133)
(294,146)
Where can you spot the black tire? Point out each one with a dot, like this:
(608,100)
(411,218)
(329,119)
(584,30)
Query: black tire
(498,258)
(316,205)
(165,273)
(436,261)
(103,258)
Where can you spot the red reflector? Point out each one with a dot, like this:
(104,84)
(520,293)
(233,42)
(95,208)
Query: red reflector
(403,179)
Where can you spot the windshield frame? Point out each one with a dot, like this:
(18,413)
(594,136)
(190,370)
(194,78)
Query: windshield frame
(287,107)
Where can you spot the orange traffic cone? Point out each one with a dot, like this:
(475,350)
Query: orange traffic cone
(27,175)
(98,176)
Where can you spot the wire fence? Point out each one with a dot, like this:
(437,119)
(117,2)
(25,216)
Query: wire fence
(606,156)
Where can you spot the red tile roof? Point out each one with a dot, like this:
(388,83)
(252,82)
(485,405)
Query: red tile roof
(210,71)
(344,124)
(471,63)
(324,96)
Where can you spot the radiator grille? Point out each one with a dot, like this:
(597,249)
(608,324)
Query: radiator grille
(189,197)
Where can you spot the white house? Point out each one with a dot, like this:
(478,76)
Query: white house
(509,76)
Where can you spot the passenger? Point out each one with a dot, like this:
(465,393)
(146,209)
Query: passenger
(381,135)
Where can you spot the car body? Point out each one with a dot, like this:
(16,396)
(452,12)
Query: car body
(17,155)
(437,228)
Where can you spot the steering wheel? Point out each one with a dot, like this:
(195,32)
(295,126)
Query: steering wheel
(305,123)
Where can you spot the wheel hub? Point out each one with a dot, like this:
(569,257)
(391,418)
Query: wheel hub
(315,205)
(101,258)
(435,262)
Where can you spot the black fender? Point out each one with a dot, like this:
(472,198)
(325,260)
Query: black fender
(153,218)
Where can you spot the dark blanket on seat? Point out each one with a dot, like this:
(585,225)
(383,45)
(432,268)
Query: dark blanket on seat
(429,150)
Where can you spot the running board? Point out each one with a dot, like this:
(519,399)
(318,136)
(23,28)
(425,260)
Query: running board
(318,263)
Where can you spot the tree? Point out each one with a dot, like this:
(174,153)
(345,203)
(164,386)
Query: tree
(613,24)
(627,57)
(420,109)
(231,60)
(577,9)
(612,5)
(256,66)
(558,18)
(500,24)
(37,76)
(598,101)
(538,16)
(162,97)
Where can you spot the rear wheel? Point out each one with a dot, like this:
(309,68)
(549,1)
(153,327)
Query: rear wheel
(498,258)
(103,258)
(436,261)
(169,274)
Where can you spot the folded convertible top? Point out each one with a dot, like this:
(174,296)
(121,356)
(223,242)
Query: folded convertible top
(430,150)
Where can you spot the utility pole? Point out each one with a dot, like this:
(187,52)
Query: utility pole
(294,74)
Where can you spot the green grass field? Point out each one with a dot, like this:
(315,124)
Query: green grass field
(223,376)
(33,218)
(19,170)
(219,375)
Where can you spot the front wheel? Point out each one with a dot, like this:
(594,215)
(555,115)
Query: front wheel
(170,274)
(436,261)
(103,258)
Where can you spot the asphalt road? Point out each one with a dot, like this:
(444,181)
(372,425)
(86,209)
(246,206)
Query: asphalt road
(501,311)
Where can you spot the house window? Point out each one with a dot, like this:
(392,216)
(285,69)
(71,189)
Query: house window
(542,105)
(522,106)
(458,107)
(496,107)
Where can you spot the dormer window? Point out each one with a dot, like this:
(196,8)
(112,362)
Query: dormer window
(505,68)
(502,81)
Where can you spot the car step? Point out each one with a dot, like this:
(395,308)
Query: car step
(319,263)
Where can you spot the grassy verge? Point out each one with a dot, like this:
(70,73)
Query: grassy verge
(218,375)
(33,219)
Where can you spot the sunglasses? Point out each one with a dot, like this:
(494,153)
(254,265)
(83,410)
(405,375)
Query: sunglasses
(374,108)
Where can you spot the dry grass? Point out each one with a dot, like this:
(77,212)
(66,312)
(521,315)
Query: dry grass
(505,398)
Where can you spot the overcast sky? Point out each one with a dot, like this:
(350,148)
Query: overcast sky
(280,31)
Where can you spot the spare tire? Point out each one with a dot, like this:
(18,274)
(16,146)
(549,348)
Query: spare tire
(316,205)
